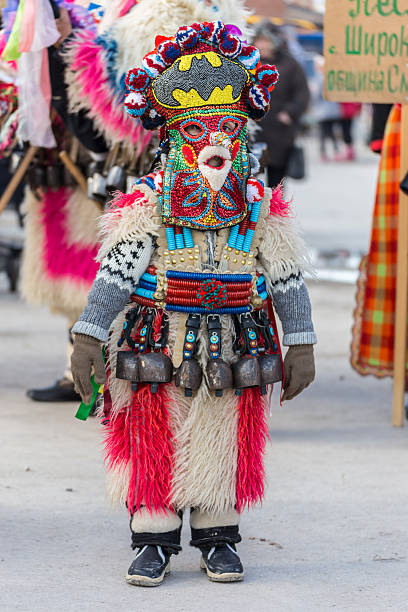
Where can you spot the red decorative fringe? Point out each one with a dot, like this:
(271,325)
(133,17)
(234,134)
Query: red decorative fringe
(118,440)
(141,437)
(252,437)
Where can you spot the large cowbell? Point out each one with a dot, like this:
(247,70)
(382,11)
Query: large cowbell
(271,369)
(189,376)
(152,368)
(257,372)
(219,376)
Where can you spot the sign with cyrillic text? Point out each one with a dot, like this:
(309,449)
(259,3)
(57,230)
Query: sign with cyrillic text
(366,50)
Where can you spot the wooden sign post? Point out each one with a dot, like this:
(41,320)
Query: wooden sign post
(366,51)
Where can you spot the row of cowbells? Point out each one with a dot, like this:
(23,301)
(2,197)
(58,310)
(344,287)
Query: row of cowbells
(100,185)
(156,368)
(52,176)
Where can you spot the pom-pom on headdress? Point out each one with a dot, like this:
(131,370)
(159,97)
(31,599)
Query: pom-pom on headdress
(203,65)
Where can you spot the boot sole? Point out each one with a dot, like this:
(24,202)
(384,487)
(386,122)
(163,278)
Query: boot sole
(227,577)
(145,581)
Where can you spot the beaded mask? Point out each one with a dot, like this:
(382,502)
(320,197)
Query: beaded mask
(201,86)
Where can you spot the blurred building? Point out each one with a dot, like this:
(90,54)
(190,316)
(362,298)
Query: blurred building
(268,8)
(307,11)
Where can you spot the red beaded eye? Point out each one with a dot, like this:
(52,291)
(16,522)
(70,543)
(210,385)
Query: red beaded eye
(193,130)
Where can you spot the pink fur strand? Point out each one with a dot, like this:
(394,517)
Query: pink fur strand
(278,205)
(252,436)
(88,66)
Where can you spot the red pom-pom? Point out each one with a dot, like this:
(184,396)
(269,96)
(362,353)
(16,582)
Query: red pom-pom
(229,45)
(249,57)
(168,51)
(153,64)
(135,104)
(258,97)
(267,76)
(187,37)
(213,31)
(137,79)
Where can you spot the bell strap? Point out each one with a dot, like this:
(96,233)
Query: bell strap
(214,335)
(191,336)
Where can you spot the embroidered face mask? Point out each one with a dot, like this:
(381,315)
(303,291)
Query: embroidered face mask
(203,85)
(207,168)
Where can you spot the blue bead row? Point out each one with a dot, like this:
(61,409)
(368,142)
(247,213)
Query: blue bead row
(171,241)
(145,285)
(179,241)
(146,293)
(225,278)
(233,236)
(149,278)
(256,208)
(188,238)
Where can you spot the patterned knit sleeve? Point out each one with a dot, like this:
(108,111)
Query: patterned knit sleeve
(128,231)
(116,279)
(282,258)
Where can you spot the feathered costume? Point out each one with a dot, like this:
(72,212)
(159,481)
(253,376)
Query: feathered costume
(190,264)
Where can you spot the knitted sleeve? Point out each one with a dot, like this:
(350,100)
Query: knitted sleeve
(282,258)
(128,229)
(116,279)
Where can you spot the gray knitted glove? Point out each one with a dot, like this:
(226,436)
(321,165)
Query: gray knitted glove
(86,359)
(299,368)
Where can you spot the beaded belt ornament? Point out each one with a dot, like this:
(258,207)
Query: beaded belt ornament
(201,292)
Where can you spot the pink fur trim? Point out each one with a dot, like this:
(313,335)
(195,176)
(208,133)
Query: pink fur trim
(89,67)
(140,436)
(252,436)
(121,200)
(60,258)
(279,207)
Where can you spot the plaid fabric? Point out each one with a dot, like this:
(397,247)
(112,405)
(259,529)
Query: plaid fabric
(372,350)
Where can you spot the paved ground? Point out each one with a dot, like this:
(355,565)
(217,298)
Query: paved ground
(335,203)
(333,531)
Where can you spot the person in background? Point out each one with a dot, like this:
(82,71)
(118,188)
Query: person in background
(380,115)
(349,111)
(279,127)
(323,112)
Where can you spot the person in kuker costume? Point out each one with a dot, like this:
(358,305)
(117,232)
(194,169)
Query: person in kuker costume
(191,263)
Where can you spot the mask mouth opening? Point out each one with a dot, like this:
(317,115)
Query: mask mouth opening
(216,162)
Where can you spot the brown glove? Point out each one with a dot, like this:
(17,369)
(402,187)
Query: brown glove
(299,370)
(86,359)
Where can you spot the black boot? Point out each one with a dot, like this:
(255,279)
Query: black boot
(62,391)
(150,566)
(219,556)
(222,563)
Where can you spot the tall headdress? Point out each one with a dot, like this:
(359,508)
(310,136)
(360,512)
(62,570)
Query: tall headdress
(204,65)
